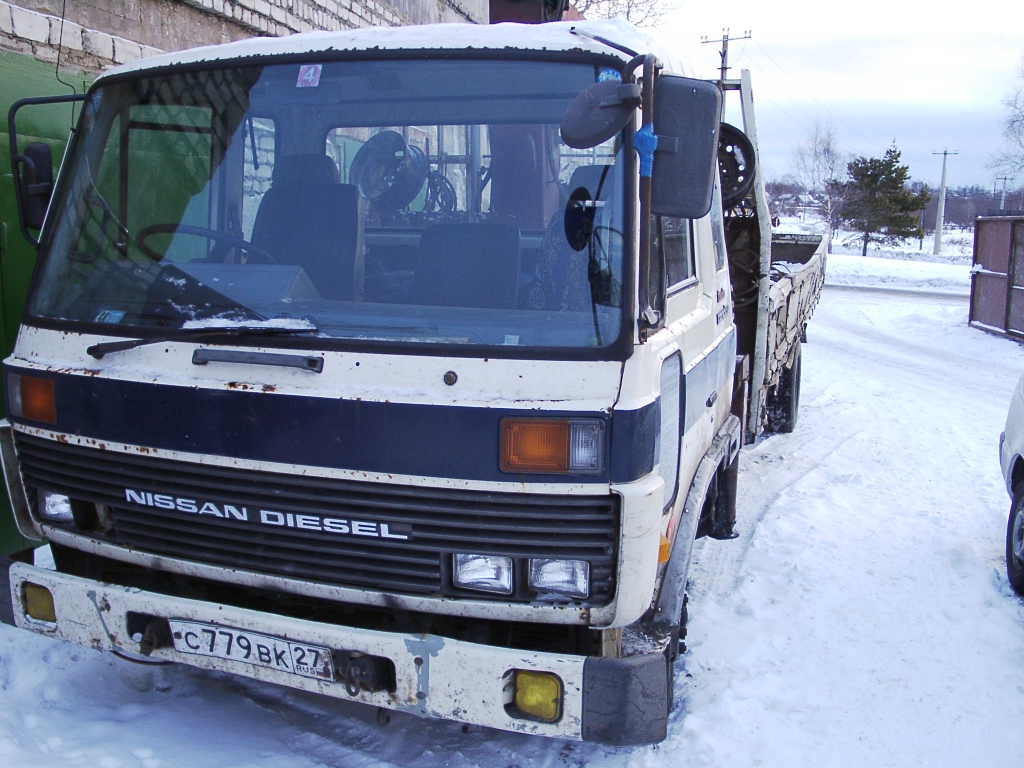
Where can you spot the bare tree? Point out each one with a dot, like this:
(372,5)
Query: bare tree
(1010,160)
(643,13)
(820,164)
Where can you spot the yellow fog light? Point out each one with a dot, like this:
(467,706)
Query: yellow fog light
(39,604)
(538,695)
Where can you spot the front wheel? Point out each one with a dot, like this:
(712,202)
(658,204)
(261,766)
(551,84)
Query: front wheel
(1015,543)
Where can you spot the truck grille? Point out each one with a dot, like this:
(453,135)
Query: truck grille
(385,537)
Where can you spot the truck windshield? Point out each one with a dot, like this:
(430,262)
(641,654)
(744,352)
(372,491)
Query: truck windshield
(379,202)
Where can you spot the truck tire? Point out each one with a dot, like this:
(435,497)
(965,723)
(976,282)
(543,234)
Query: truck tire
(1015,542)
(784,402)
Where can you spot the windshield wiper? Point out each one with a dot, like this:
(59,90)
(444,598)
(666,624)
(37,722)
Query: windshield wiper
(191,334)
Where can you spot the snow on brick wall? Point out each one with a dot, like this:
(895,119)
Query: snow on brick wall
(96,34)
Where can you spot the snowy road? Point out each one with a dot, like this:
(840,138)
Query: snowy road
(862,617)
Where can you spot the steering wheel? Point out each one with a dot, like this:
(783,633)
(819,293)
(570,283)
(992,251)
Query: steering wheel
(388,171)
(560,281)
(213,235)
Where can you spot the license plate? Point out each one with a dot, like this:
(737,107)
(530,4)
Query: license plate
(252,648)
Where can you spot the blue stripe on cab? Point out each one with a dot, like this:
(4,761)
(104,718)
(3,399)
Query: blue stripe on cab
(397,438)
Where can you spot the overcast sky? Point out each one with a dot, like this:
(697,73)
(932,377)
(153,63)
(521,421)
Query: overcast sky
(929,76)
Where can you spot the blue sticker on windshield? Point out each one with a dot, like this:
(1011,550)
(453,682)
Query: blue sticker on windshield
(608,74)
(110,316)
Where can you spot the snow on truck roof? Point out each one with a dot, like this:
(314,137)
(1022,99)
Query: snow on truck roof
(552,36)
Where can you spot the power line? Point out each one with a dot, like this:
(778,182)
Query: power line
(815,100)
(724,53)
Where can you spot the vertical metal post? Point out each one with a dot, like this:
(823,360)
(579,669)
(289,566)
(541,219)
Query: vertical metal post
(759,366)
(611,643)
(649,317)
(473,169)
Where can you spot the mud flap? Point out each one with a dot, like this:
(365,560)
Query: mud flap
(625,701)
(725,500)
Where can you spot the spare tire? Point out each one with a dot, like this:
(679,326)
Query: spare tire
(388,171)
(735,164)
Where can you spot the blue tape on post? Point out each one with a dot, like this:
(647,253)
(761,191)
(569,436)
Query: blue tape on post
(646,142)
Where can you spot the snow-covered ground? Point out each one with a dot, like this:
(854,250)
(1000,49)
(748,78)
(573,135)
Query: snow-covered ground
(887,274)
(862,617)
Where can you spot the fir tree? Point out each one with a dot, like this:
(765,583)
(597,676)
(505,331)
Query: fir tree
(877,202)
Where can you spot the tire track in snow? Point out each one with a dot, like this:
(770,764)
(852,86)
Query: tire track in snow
(767,470)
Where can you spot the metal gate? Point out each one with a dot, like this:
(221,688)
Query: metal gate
(997,280)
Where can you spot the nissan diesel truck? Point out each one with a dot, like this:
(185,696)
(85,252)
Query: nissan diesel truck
(397,365)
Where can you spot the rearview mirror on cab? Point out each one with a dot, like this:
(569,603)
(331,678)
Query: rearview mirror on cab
(34,170)
(687,114)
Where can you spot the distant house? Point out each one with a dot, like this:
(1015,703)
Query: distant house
(801,205)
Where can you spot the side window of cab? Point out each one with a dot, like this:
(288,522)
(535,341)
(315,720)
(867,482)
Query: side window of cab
(673,244)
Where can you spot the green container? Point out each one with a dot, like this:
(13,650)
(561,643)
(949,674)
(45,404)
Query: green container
(23,77)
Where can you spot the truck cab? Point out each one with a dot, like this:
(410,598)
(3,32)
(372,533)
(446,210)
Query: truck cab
(393,364)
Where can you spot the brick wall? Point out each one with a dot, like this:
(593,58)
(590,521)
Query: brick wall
(95,34)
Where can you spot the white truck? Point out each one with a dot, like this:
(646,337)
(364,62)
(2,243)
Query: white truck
(398,365)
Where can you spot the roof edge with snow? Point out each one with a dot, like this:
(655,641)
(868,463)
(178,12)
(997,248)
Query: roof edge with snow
(552,36)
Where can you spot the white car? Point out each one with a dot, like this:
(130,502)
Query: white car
(1011,459)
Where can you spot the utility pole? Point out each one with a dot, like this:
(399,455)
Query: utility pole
(724,53)
(940,213)
(1002,197)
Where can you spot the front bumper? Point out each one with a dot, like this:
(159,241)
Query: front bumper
(613,701)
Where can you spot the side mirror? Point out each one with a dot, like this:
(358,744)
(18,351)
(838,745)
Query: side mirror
(687,114)
(32,170)
(599,112)
(34,181)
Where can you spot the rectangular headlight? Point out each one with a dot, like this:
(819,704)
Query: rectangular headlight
(55,507)
(552,446)
(484,573)
(561,577)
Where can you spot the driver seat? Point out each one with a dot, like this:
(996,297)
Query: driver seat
(469,265)
(309,219)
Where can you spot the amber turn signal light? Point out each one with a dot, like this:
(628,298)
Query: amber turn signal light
(534,445)
(552,446)
(32,398)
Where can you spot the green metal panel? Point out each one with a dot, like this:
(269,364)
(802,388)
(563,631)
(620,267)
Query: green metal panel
(22,77)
